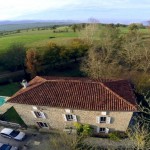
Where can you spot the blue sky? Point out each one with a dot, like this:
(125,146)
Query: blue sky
(103,10)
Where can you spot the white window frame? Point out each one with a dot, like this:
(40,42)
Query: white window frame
(44,124)
(74,117)
(105,131)
(38,114)
(101,121)
(108,119)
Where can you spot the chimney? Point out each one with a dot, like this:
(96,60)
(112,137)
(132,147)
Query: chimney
(24,83)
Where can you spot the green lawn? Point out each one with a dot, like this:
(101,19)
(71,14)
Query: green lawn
(9,89)
(12,116)
(34,38)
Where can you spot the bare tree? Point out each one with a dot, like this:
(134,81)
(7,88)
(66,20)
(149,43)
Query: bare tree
(139,131)
(98,64)
(144,58)
(144,107)
(131,50)
(90,32)
(140,136)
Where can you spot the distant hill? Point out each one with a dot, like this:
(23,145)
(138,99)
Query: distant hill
(27,24)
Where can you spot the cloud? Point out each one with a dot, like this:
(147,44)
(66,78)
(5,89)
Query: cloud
(14,8)
(11,9)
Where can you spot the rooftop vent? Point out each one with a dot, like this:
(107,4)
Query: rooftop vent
(24,83)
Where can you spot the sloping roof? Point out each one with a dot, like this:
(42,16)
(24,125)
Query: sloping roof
(78,93)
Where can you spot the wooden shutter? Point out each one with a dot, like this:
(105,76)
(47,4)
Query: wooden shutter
(64,116)
(33,114)
(108,120)
(97,119)
(74,118)
(97,129)
(43,115)
(106,130)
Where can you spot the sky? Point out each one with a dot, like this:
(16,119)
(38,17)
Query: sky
(116,11)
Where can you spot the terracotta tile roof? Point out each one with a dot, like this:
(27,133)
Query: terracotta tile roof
(78,93)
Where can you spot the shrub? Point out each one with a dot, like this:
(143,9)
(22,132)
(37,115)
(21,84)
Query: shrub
(83,129)
(116,135)
(79,127)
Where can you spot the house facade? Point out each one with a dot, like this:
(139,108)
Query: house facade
(56,103)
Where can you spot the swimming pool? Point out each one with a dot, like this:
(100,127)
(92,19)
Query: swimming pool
(2,100)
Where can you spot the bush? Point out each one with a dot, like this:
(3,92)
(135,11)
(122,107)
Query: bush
(83,129)
(117,135)
(114,136)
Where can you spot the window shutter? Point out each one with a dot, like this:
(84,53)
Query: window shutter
(33,114)
(75,118)
(97,129)
(97,119)
(64,116)
(43,115)
(106,130)
(108,119)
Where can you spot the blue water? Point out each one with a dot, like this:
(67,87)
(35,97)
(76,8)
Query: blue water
(2,100)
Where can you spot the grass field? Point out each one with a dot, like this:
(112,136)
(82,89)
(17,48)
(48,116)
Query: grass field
(38,38)
(12,116)
(34,38)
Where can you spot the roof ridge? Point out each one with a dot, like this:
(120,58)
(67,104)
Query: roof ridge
(117,95)
(89,81)
(81,79)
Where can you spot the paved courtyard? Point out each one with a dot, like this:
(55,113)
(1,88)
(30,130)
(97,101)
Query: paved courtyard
(34,140)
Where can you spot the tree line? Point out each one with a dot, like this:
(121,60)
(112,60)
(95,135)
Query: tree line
(34,61)
(103,52)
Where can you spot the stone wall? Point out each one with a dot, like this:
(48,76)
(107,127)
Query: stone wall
(54,117)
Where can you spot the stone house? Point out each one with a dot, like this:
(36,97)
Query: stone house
(56,103)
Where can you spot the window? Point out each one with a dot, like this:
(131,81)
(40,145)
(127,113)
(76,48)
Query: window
(102,130)
(38,114)
(42,124)
(70,117)
(102,119)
